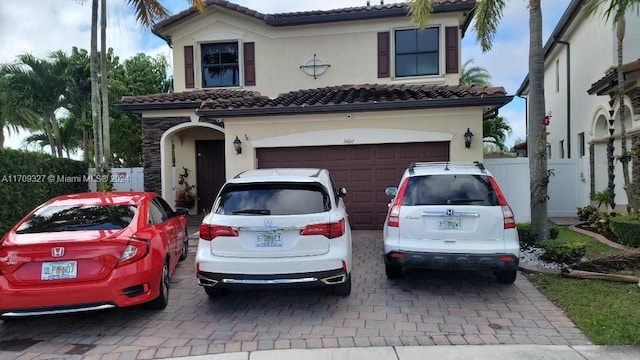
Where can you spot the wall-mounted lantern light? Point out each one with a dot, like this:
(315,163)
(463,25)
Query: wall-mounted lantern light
(467,138)
(237,144)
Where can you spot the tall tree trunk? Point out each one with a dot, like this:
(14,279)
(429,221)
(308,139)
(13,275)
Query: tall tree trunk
(52,143)
(624,156)
(104,82)
(537,131)
(1,137)
(57,138)
(635,170)
(95,92)
(611,185)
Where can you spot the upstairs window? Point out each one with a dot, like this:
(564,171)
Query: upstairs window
(416,52)
(220,65)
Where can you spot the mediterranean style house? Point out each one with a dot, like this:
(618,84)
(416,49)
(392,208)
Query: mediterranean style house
(580,71)
(359,91)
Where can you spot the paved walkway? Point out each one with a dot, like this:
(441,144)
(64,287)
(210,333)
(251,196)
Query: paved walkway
(425,308)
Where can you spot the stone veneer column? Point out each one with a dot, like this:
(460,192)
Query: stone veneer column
(152,130)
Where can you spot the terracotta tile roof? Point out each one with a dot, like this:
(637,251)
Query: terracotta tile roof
(604,84)
(310,17)
(222,102)
(186,99)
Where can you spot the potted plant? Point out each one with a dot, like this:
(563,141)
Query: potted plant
(185,194)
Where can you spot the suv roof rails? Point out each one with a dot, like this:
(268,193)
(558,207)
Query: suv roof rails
(414,165)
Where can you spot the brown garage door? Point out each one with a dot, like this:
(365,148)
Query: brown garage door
(365,170)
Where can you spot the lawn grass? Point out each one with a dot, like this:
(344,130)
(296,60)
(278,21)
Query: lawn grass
(607,312)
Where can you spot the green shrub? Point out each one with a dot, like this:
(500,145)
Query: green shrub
(562,252)
(627,229)
(588,213)
(528,238)
(25,182)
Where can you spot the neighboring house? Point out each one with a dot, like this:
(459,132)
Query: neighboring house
(358,91)
(579,57)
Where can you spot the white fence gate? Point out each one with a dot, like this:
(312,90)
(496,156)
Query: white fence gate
(123,179)
(513,177)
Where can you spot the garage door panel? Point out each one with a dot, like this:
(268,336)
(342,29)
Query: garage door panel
(364,170)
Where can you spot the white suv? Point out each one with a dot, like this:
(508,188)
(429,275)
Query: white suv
(276,227)
(450,216)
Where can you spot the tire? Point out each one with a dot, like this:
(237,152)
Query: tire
(343,289)
(506,276)
(162,300)
(185,247)
(393,271)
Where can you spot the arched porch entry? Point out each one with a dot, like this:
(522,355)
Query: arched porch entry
(197,147)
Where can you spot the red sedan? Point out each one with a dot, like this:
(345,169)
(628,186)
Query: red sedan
(91,251)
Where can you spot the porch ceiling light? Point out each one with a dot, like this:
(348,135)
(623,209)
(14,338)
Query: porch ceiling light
(467,138)
(237,145)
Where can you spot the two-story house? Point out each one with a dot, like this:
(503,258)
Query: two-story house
(580,56)
(359,91)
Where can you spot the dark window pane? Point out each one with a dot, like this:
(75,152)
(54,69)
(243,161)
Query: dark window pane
(428,40)
(417,52)
(75,218)
(405,41)
(220,65)
(428,64)
(216,76)
(406,65)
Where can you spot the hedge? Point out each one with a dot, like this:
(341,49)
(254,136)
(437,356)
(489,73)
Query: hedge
(28,179)
(626,228)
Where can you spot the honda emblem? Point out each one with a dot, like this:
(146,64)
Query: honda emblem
(57,252)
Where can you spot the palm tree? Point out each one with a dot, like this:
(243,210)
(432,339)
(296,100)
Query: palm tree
(39,89)
(495,131)
(148,12)
(474,75)
(488,14)
(617,9)
(9,115)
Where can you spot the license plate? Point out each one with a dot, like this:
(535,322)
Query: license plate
(54,270)
(450,224)
(269,239)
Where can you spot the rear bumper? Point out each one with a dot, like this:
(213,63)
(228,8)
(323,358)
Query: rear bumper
(129,285)
(452,261)
(321,278)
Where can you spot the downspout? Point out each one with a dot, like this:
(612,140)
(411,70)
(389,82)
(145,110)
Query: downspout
(568,95)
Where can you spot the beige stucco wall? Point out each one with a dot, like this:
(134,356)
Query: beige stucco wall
(353,129)
(350,49)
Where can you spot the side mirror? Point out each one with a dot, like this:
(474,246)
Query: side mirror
(391,191)
(182,211)
(342,192)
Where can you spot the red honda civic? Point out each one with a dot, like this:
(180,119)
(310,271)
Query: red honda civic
(91,251)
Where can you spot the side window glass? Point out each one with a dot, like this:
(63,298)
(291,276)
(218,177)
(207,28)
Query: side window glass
(164,206)
(156,214)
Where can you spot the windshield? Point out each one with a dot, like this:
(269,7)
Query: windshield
(458,189)
(78,217)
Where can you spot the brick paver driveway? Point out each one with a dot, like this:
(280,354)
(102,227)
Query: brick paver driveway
(424,308)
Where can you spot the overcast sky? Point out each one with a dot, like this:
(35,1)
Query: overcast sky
(43,26)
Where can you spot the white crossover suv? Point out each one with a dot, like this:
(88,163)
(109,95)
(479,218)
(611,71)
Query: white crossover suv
(276,227)
(450,216)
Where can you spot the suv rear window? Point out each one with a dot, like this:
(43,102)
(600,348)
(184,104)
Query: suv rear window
(273,199)
(449,189)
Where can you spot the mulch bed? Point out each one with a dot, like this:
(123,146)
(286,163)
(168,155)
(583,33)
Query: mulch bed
(587,227)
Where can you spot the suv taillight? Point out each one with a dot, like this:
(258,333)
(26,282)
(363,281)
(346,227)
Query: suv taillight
(507,213)
(393,218)
(210,232)
(330,230)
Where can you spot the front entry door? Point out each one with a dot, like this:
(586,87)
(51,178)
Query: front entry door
(210,169)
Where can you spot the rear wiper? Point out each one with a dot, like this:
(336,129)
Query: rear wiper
(253,211)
